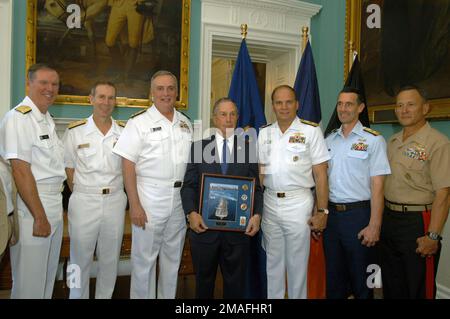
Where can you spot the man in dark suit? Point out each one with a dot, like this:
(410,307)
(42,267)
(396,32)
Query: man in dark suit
(228,154)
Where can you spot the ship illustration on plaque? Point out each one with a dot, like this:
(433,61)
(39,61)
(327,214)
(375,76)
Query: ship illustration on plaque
(222,209)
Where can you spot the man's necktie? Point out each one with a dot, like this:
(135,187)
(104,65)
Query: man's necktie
(225,157)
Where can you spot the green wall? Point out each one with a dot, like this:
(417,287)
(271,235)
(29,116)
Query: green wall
(327,40)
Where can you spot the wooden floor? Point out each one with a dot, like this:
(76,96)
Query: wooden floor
(185,290)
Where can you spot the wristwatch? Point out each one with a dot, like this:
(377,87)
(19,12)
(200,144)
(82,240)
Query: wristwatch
(433,235)
(323,210)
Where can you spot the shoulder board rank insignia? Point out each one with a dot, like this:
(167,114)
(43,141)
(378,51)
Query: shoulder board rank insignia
(138,113)
(186,116)
(373,132)
(120,123)
(24,109)
(309,123)
(76,123)
(266,125)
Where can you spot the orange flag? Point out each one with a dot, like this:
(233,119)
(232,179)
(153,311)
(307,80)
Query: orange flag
(316,270)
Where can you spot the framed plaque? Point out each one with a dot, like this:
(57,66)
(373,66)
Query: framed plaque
(226,202)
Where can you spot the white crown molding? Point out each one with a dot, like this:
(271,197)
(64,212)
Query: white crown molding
(288,7)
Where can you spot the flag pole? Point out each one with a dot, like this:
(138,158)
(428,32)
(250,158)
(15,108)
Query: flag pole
(304,37)
(244,30)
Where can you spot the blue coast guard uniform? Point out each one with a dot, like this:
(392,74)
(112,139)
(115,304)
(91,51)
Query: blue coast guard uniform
(354,160)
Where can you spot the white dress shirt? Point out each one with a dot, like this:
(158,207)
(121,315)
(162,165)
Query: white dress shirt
(219,142)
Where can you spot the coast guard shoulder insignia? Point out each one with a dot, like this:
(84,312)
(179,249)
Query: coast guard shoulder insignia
(373,132)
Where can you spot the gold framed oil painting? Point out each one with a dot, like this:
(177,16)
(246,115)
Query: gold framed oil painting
(400,42)
(122,41)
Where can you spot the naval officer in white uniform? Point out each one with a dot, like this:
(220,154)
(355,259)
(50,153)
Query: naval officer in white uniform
(29,142)
(155,146)
(293,159)
(97,204)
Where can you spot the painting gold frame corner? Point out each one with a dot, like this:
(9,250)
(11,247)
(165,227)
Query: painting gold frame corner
(440,108)
(181,104)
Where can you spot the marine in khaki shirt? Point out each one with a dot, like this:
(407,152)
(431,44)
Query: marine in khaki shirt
(416,205)
(420,166)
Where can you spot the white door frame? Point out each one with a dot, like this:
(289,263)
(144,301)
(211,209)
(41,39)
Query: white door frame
(6,19)
(274,26)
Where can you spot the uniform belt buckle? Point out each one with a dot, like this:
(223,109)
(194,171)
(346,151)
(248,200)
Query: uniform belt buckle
(177,184)
(341,207)
(281,195)
(105,191)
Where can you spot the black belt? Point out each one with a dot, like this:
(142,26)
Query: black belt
(177,184)
(347,206)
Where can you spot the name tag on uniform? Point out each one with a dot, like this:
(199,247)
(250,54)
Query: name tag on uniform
(44,137)
(86,145)
(156,129)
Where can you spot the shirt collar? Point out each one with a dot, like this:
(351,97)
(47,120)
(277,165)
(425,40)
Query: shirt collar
(295,125)
(158,117)
(358,129)
(115,127)
(35,110)
(418,137)
(91,127)
(220,138)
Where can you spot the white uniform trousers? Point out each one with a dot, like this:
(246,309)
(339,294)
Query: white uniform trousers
(163,237)
(34,260)
(96,223)
(286,239)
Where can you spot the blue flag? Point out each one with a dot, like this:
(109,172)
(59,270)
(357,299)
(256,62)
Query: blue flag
(307,89)
(244,92)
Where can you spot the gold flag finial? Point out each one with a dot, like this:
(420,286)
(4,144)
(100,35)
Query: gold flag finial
(305,36)
(244,30)
(350,55)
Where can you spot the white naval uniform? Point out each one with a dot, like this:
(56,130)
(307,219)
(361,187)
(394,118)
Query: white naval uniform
(160,149)
(286,163)
(96,206)
(6,205)
(31,136)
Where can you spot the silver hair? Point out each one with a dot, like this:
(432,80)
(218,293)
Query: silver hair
(222,100)
(161,73)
